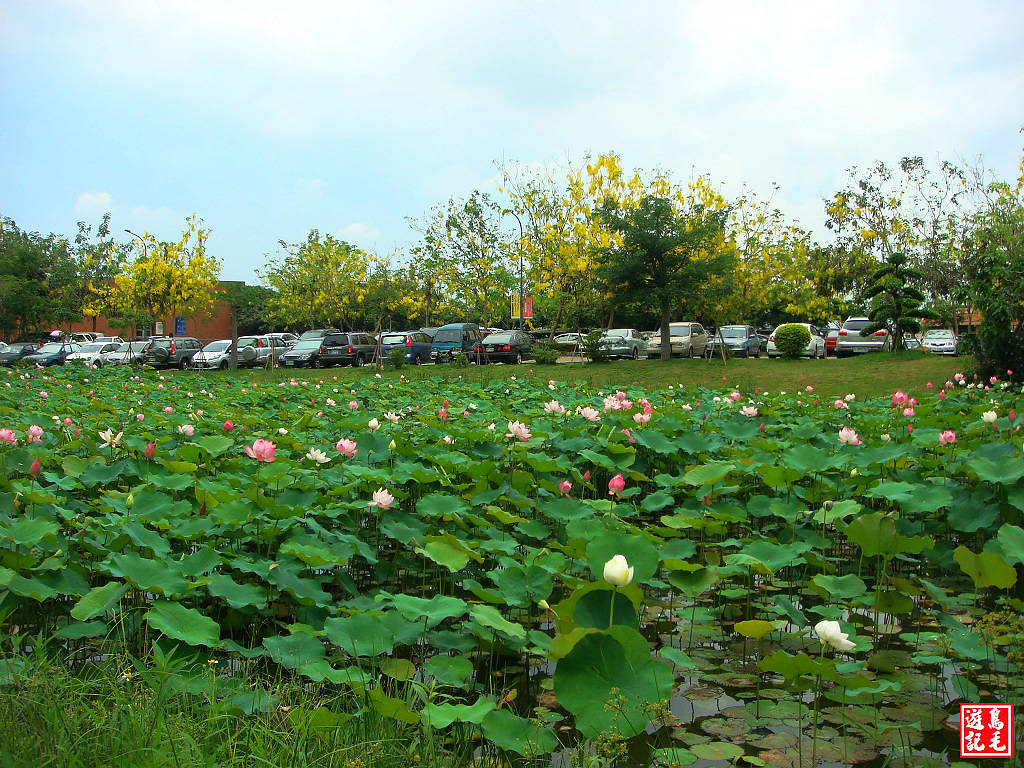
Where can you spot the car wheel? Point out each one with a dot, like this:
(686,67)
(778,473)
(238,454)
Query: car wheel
(183,364)
(636,353)
(223,365)
(689,352)
(358,362)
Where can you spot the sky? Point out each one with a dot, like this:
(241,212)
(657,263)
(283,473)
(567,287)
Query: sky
(269,118)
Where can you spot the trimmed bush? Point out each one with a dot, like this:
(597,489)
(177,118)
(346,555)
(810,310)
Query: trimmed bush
(592,346)
(395,358)
(545,353)
(791,340)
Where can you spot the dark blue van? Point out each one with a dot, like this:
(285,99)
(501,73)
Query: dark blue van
(453,339)
(415,343)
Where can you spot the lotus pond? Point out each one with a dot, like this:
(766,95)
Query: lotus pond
(442,555)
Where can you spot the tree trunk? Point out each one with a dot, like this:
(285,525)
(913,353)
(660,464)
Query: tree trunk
(666,338)
(611,318)
(558,319)
(234,341)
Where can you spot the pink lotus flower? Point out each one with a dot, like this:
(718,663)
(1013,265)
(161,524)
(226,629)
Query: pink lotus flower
(947,437)
(347,447)
(565,487)
(261,450)
(140,416)
(353,405)
(43,394)
(641,418)
(382,499)
(910,429)
(908,412)
(35,468)
(808,388)
(187,430)
(69,422)
(168,409)
(150,450)
(588,413)
(942,395)
(7,436)
(616,484)
(848,436)
(749,410)
(35,434)
(586,476)
(899,398)
(518,430)
(442,414)
(840,405)
(628,434)
(928,385)
(554,407)
(229,425)
(735,396)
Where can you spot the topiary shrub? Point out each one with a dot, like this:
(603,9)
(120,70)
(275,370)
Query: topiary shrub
(592,347)
(460,360)
(791,340)
(395,358)
(545,353)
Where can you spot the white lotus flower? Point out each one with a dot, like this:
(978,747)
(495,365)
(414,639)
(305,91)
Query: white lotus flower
(315,454)
(989,417)
(110,439)
(618,572)
(829,633)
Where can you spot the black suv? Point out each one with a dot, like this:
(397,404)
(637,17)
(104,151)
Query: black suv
(332,349)
(171,352)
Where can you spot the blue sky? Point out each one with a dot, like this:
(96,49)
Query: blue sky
(272,118)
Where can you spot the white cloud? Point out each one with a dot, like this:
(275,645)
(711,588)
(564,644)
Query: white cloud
(92,205)
(358,234)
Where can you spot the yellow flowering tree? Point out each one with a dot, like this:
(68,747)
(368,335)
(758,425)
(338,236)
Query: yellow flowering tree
(320,282)
(168,279)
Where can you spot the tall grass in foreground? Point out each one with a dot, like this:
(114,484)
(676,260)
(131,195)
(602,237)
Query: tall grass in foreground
(154,713)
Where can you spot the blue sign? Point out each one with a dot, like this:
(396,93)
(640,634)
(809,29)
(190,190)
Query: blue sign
(179,326)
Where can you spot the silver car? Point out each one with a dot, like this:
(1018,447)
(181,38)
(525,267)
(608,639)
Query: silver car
(686,340)
(129,352)
(623,342)
(939,341)
(851,342)
(214,356)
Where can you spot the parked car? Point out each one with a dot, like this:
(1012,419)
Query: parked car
(254,351)
(852,342)
(17,351)
(623,342)
(506,347)
(939,341)
(53,353)
(686,340)
(128,353)
(214,356)
(815,347)
(93,353)
(415,343)
(911,342)
(740,340)
(333,349)
(454,339)
(81,337)
(317,333)
(113,339)
(831,337)
(171,352)
(568,342)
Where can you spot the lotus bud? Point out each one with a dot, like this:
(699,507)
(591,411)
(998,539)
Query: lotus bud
(618,572)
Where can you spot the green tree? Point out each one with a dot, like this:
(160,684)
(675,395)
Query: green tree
(318,283)
(666,251)
(98,259)
(896,303)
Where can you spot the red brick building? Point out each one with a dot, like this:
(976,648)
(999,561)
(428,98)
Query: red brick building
(205,327)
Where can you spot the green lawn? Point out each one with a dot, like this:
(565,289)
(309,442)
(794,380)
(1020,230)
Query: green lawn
(866,376)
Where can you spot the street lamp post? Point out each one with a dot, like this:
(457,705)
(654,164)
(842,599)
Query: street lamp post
(522,298)
(140,240)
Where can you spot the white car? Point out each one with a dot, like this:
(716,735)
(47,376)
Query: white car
(622,342)
(128,352)
(214,356)
(815,347)
(939,341)
(93,353)
(686,340)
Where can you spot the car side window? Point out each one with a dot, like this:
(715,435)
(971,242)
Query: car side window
(697,329)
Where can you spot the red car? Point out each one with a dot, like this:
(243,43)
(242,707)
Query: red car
(830,341)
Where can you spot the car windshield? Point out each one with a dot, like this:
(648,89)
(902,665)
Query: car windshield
(450,334)
(217,346)
(393,338)
(856,325)
(94,347)
(732,332)
(938,334)
(49,349)
(307,344)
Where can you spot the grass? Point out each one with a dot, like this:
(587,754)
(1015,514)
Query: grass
(866,376)
(119,711)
